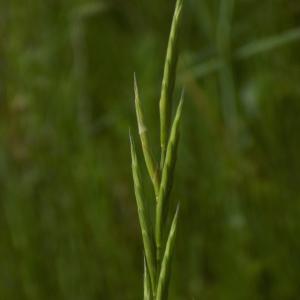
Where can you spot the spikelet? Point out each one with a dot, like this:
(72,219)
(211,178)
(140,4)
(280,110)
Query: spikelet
(167,178)
(168,82)
(152,169)
(165,272)
(147,241)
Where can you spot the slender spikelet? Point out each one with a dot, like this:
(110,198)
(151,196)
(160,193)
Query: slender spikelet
(151,166)
(167,178)
(147,241)
(165,103)
(164,276)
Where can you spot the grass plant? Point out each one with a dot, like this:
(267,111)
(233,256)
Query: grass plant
(159,241)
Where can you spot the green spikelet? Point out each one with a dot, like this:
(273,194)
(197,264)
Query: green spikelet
(147,241)
(167,178)
(165,103)
(165,272)
(151,166)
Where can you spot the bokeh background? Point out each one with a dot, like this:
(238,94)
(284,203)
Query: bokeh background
(68,221)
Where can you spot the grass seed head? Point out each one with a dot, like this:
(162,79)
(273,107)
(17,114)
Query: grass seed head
(156,287)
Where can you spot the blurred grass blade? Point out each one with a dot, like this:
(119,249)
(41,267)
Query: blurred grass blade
(225,26)
(151,166)
(245,52)
(204,18)
(147,240)
(268,44)
(165,272)
(226,74)
(165,103)
(201,70)
(147,283)
(167,178)
(89,10)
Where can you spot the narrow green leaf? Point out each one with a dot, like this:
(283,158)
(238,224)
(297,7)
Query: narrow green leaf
(165,103)
(167,178)
(165,272)
(151,166)
(147,241)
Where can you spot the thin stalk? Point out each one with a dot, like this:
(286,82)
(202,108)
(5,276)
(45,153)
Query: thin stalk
(147,283)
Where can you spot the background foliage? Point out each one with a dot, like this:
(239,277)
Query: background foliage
(68,222)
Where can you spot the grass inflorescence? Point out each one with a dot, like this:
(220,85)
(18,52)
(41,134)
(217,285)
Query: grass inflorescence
(159,241)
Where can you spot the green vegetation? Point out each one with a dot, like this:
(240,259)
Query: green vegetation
(68,221)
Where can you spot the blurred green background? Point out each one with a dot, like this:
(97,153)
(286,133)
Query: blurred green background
(68,221)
